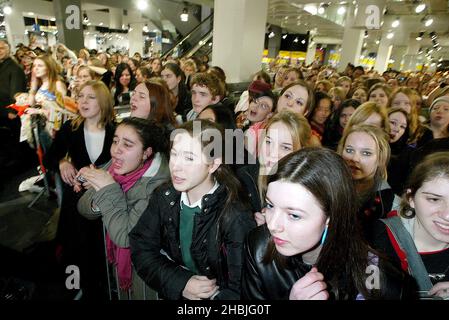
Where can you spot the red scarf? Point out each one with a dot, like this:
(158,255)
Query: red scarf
(121,257)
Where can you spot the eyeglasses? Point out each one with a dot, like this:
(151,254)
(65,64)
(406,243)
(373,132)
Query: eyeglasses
(261,105)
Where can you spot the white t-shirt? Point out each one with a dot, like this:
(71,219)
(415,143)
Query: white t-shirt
(94,143)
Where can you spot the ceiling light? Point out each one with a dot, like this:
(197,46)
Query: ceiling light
(395,23)
(341,10)
(184,15)
(101,23)
(52,19)
(321,10)
(311,8)
(284,36)
(366,34)
(31,13)
(271,34)
(142,4)
(303,41)
(296,40)
(428,21)
(390,35)
(145,28)
(419,37)
(420,8)
(377,41)
(7,10)
(85,18)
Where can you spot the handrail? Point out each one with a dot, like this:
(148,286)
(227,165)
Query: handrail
(165,54)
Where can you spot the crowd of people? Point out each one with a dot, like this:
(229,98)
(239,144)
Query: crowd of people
(331,175)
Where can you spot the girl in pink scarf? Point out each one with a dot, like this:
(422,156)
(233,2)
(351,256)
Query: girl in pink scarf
(132,153)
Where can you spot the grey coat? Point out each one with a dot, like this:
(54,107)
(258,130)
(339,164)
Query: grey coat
(119,211)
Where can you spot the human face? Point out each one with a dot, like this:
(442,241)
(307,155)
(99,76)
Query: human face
(83,76)
(345,114)
(132,66)
(295,218)
(413,83)
(4,51)
(140,102)
(374,119)
(170,79)
(259,109)
(322,111)
(139,76)
(156,65)
(379,97)
(127,150)
(39,68)
(189,70)
(277,144)
(279,79)
(398,124)
(431,204)
(289,78)
(360,95)
(360,153)
(190,171)
(207,114)
(402,101)
(88,104)
(201,98)
(346,85)
(439,116)
(336,101)
(125,78)
(357,73)
(294,99)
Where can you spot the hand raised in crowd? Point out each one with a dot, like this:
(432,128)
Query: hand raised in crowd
(310,287)
(199,287)
(441,289)
(68,172)
(97,178)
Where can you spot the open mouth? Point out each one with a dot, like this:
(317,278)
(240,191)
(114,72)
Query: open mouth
(177,180)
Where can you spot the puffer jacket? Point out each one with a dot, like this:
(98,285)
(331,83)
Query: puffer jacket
(272,281)
(217,243)
(121,211)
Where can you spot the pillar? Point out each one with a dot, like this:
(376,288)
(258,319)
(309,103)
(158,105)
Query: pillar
(135,36)
(352,41)
(398,56)
(15,28)
(310,55)
(69,34)
(383,54)
(115,18)
(411,55)
(239,35)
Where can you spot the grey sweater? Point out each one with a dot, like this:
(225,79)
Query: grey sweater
(120,211)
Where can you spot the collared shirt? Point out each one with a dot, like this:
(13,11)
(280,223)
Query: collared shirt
(185,199)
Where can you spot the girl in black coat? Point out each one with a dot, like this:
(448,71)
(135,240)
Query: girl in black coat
(188,243)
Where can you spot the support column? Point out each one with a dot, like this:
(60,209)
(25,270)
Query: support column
(115,18)
(383,54)
(135,37)
(274,44)
(352,42)
(398,56)
(239,31)
(70,34)
(15,27)
(411,55)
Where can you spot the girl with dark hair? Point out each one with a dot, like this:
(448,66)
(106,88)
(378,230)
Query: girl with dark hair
(319,114)
(143,74)
(120,191)
(151,100)
(125,82)
(188,243)
(423,218)
(175,79)
(337,124)
(310,247)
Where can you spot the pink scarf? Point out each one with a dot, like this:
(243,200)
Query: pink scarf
(121,257)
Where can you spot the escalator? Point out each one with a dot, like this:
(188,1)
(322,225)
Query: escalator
(197,42)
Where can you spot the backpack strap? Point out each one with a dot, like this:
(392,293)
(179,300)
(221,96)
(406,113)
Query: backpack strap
(405,241)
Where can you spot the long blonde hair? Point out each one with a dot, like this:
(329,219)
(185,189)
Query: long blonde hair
(364,111)
(104,100)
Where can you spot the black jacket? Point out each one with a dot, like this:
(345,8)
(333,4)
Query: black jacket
(273,282)
(217,243)
(248,176)
(12,81)
(73,144)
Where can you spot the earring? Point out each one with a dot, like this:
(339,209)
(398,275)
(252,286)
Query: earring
(409,212)
(323,238)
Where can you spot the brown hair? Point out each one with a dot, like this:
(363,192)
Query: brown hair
(344,255)
(310,93)
(435,165)
(208,80)
(161,108)
(364,111)
(105,102)
(53,70)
